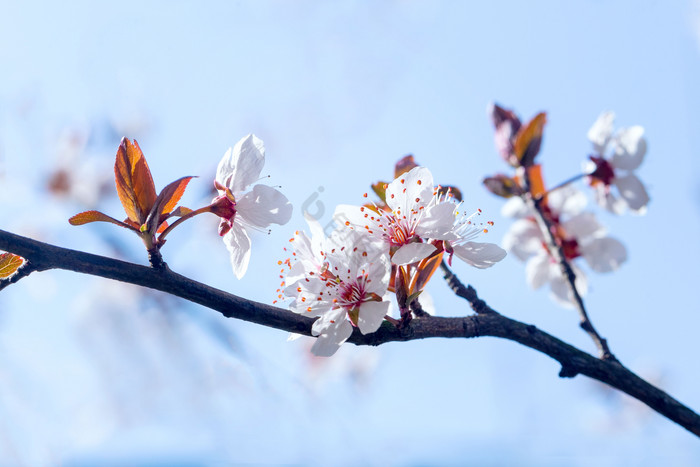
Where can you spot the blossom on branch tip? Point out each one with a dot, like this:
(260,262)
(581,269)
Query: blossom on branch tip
(418,215)
(616,157)
(241,211)
(341,279)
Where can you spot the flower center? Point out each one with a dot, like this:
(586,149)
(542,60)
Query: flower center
(604,172)
(570,249)
(352,294)
(224,206)
(399,231)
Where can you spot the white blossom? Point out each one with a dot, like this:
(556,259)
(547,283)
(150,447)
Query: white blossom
(241,210)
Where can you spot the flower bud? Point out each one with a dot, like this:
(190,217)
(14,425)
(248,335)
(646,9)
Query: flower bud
(507,125)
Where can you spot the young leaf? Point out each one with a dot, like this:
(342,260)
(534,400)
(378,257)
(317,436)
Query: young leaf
(181,211)
(404,165)
(424,272)
(502,185)
(166,201)
(529,139)
(96,216)
(380,189)
(453,190)
(172,193)
(537,187)
(135,187)
(9,264)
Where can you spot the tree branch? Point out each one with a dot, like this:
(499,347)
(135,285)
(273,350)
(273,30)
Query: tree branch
(43,256)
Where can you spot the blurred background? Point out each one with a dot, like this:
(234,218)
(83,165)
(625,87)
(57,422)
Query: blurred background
(99,372)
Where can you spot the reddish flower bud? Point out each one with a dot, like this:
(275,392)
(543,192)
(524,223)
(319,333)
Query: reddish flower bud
(507,125)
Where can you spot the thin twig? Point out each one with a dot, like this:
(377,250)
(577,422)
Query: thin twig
(566,182)
(555,248)
(417,309)
(466,292)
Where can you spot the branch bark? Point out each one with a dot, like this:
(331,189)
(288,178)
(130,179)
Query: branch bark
(43,256)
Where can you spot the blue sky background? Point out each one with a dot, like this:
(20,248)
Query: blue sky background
(93,370)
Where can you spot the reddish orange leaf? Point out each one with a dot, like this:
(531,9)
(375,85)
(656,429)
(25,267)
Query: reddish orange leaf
(404,165)
(9,264)
(135,187)
(181,211)
(96,216)
(171,194)
(166,201)
(380,189)
(502,185)
(453,190)
(529,139)
(537,187)
(163,226)
(425,271)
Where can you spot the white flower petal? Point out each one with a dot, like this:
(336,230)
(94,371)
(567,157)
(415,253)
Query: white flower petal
(567,200)
(523,239)
(328,319)
(263,206)
(241,165)
(348,251)
(371,316)
(479,255)
(630,148)
(416,184)
(412,252)
(347,215)
(583,225)
(537,270)
(633,192)
(379,273)
(317,233)
(238,244)
(604,254)
(295,274)
(609,201)
(559,287)
(437,222)
(601,131)
(515,207)
(331,339)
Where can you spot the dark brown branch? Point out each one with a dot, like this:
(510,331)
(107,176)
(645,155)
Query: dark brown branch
(573,361)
